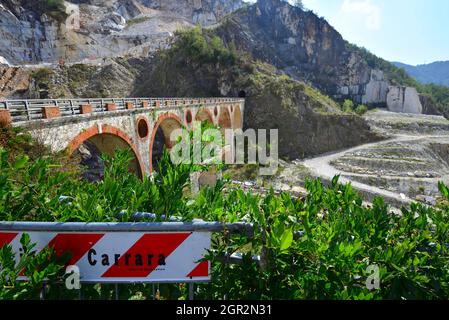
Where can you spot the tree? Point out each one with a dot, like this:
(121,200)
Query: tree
(299,4)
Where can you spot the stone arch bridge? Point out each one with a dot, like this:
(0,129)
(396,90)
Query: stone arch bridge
(143,125)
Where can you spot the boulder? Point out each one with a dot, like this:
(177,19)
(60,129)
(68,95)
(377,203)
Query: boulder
(404,100)
(3,61)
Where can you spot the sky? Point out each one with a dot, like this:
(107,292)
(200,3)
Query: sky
(409,31)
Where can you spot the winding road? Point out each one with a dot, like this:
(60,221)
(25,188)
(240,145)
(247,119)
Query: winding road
(321,167)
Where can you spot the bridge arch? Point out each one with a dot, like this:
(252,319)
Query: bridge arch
(107,140)
(224,120)
(237,118)
(204,115)
(162,131)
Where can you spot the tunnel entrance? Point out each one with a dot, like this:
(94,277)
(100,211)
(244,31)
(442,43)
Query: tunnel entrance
(242,94)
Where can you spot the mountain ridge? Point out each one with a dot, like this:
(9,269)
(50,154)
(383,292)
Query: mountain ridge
(436,72)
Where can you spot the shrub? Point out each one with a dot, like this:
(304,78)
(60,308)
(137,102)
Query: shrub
(45,266)
(203,50)
(361,109)
(348,106)
(316,247)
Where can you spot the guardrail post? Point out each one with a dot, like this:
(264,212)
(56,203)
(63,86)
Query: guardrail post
(42,292)
(191,287)
(117,295)
(71,107)
(27,108)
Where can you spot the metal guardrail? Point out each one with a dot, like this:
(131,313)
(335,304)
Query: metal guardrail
(126,226)
(196,225)
(199,225)
(29,110)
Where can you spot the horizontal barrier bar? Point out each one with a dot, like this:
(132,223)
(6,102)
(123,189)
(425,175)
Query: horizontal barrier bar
(238,227)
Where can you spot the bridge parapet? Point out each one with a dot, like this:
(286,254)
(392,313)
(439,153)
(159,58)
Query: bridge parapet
(30,110)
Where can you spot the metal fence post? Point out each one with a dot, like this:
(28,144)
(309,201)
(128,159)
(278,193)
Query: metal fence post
(42,292)
(191,287)
(117,294)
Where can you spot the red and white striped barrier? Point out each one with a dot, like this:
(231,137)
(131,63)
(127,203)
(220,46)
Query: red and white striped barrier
(124,257)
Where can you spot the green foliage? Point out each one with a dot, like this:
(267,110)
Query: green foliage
(43,75)
(204,49)
(37,268)
(339,239)
(361,109)
(348,106)
(317,247)
(439,96)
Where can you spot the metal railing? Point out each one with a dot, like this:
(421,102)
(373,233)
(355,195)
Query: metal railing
(29,110)
(239,227)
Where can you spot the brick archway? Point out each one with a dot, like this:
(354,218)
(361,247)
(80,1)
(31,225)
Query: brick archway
(205,115)
(224,120)
(168,123)
(106,130)
(237,118)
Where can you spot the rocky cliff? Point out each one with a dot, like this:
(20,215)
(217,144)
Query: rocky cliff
(92,29)
(306,47)
(297,42)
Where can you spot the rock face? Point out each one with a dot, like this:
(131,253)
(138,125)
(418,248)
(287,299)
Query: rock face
(306,47)
(404,99)
(204,12)
(91,29)
(14,82)
(296,42)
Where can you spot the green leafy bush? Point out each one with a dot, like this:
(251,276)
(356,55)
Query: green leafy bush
(37,268)
(361,109)
(204,49)
(316,247)
(348,106)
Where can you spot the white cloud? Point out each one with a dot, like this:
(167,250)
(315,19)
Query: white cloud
(370,12)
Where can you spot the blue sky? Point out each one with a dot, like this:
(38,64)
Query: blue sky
(409,31)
